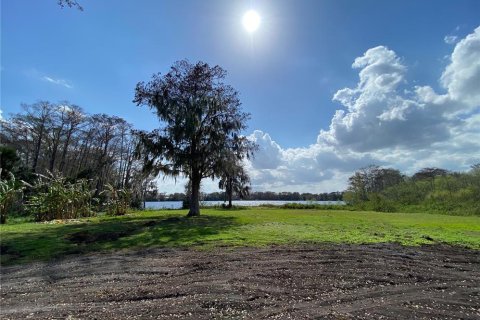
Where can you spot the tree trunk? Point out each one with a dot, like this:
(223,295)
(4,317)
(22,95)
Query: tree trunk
(195,197)
(37,149)
(65,149)
(229,192)
(53,156)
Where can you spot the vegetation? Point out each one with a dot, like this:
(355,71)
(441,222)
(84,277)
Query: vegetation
(249,227)
(55,197)
(202,122)
(311,206)
(70,160)
(10,189)
(429,190)
(234,179)
(62,138)
(118,200)
(154,195)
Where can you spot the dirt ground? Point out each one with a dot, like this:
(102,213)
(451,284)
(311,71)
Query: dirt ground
(383,281)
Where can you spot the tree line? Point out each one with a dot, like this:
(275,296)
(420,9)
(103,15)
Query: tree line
(62,138)
(154,195)
(57,162)
(428,190)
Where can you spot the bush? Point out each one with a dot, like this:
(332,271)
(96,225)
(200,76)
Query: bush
(56,198)
(294,205)
(118,200)
(10,189)
(381,204)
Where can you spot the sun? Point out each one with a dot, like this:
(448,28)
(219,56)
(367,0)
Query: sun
(251,20)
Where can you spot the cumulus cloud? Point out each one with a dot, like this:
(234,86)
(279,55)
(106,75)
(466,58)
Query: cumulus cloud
(60,82)
(386,122)
(317,167)
(378,114)
(271,151)
(462,76)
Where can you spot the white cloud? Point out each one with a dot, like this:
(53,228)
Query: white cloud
(450,39)
(271,151)
(60,82)
(462,77)
(385,122)
(310,169)
(378,114)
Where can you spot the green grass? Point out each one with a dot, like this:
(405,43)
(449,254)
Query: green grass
(27,241)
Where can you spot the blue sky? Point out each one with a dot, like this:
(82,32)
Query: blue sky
(293,74)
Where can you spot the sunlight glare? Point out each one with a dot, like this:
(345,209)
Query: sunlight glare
(251,21)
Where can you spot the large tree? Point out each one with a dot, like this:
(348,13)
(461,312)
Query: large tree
(201,121)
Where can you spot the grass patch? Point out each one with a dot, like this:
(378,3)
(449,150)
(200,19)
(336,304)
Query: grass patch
(25,242)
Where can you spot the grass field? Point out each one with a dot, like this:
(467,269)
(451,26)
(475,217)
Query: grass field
(24,242)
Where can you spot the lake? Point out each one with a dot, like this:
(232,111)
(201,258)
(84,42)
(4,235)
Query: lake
(245,203)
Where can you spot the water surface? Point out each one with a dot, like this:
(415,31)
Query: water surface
(245,203)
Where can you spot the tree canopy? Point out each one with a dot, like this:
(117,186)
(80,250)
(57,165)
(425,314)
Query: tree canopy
(200,124)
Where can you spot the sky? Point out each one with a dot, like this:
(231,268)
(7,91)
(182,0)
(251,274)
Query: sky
(331,85)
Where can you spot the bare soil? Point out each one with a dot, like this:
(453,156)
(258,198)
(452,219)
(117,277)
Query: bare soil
(384,281)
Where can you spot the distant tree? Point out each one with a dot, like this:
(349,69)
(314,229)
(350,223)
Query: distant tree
(74,116)
(55,132)
(234,179)
(429,173)
(384,178)
(201,119)
(37,119)
(475,168)
(372,179)
(108,136)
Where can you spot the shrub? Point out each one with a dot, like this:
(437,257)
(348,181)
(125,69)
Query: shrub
(380,203)
(10,189)
(118,200)
(56,198)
